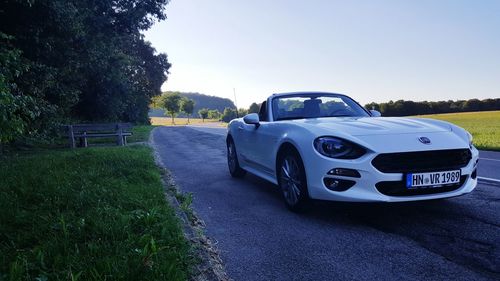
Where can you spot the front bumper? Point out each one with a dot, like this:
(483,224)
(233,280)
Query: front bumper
(365,190)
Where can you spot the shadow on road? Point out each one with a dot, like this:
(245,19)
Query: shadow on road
(448,227)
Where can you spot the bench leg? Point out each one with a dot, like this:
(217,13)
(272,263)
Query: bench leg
(83,140)
(119,140)
(71,137)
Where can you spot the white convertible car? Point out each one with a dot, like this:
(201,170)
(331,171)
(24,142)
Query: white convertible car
(326,146)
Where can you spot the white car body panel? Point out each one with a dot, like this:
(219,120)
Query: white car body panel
(258,146)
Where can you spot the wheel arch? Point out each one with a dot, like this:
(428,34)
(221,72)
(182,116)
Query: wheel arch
(228,138)
(285,146)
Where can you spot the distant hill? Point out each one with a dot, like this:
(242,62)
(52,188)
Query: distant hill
(200,101)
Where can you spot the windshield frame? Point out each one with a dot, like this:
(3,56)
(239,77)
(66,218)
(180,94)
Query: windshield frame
(311,95)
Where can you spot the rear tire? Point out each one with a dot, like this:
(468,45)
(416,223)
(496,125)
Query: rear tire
(232,161)
(292,181)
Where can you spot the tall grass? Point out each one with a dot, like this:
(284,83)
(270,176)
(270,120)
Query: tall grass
(88,214)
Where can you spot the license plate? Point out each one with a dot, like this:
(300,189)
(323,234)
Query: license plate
(433,179)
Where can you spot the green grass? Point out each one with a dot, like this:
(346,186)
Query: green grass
(88,214)
(484,126)
(140,133)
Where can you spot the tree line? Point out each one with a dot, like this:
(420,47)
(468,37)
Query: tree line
(406,108)
(67,61)
(201,101)
(177,104)
(207,101)
(228,114)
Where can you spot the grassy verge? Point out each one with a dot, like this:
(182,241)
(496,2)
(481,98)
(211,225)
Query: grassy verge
(140,133)
(484,126)
(88,214)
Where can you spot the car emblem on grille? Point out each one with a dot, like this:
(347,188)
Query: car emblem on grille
(424,140)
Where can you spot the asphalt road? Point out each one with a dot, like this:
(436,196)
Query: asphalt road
(259,239)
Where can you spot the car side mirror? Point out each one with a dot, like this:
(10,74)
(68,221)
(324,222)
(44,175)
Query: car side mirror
(252,118)
(375,113)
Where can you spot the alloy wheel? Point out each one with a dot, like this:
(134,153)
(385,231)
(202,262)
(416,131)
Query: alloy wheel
(231,156)
(290,180)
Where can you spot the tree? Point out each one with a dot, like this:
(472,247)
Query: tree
(156,102)
(171,104)
(203,113)
(228,114)
(254,108)
(242,112)
(214,114)
(79,60)
(16,110)
(187,106)
(373,106)
(472,105)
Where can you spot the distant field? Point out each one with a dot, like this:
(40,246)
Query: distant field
(167,121)
(484,126)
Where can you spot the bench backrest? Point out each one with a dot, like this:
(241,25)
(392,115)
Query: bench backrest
(101,127)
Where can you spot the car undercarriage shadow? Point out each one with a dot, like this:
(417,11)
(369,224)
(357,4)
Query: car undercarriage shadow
(445,226)
(328,210)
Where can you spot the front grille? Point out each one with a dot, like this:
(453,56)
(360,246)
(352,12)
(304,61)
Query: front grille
(422,161)
(398,188)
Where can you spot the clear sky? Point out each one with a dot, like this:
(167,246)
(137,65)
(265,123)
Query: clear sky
(372,50)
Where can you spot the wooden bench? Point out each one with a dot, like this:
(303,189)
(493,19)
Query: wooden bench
(84,131)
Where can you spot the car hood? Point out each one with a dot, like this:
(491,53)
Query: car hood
(367,126)
(389,134)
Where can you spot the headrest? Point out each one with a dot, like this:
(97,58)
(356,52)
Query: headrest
(312,102)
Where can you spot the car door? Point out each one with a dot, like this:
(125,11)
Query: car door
(245,149)
(261,141)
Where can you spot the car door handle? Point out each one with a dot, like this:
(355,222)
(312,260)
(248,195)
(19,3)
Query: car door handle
(240,128)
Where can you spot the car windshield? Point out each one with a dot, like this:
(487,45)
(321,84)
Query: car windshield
(299,106)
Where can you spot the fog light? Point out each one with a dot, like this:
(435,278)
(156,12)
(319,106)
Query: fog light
(344,172)
(338,184)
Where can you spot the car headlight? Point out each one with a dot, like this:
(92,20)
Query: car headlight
(470,139)
(338,148)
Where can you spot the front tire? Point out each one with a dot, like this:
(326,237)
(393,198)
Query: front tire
(292,181)
(232,161)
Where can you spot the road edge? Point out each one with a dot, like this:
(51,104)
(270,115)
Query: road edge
(210,265)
